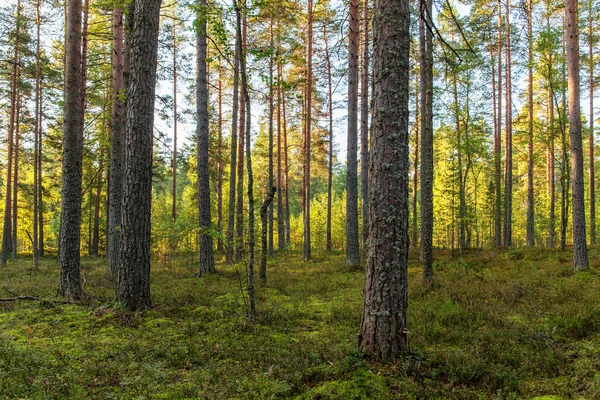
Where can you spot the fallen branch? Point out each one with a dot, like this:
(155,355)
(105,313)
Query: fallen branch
(31,298)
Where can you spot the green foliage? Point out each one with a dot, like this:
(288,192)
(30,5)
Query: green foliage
(490,327)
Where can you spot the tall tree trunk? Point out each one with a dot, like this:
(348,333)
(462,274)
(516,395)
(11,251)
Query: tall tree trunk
(498,138)
(364,128)
(133,277)
(592,159)
(286,169)
(493,222)
(580,252)
(281,242)
(220,163)
(551,148)
(117,142)
(239,222)
(307,134)
(175,117)
(70,236)
(508,174)
(234,125)
(271,113)
(352,246)
(36,134)
(40,181)
(565,168)
(415,240)
(207,261)
(7,230)
(530,204)
(383,333)
(15,194)
(426,87)
(329,140)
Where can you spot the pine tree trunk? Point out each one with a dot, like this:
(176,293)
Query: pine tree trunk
(96,233)
(281,243)
(220,165)
(308,135)
(384,333)
(426,87)
(234,134)
(175,118)
(415,240)
(364,129)
(36,134)
(133,277)
(565,167)
(592,159)
(498,138)
(239,222)
(40,176)
(530,200)
(7,230)
(70,237)
(580,252)
(117,143)
(508,174)
(352,246)
(207,261)
(15,194)
(330,139)
(271,113)
(286,169)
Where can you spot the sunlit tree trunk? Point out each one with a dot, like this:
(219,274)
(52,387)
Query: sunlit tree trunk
(307,135)
(592,159)
(530,203)
(364,128)
(508,173)
(383,333)
(498,138)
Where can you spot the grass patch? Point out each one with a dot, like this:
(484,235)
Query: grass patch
(514,324)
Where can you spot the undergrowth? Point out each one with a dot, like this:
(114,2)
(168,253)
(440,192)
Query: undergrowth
(513,324)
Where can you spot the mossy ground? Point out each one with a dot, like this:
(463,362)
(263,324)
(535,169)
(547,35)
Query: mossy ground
(512,324)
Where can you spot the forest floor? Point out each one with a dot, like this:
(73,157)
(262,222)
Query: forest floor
(509,324)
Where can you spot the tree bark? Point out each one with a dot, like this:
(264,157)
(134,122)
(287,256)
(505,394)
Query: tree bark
(234,133)
(580,252)
(364,128)
(307,135)
(330,140)
(281,242)
(530,200)
(271,142)
(592,141)
(220,163)
(117,142)
(207,261)
(352,246)
(96,232)
(239,222)
(70,236)
(15,194)
(384,333)
(426,87)
(133,277)
(498,138)
(36,133)
(175,117)
(508,173)
(7,230)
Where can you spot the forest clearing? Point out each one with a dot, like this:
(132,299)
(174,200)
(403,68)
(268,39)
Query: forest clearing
(513,325)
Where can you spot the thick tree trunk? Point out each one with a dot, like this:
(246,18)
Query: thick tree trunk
(364,128)
(133,277)
(117,143)
(580,252)
(207,261)
(530,200)
(234,134)
(508,173)
(352,246)
(384,333)
(426,87)
(70,237)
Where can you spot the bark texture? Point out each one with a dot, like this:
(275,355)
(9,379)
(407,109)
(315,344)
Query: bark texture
(383,333)
(530,201)
(70,217)
(352,247)
(580,253)
(133,277)
(364,127)
(207,261)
